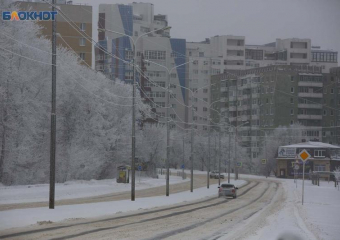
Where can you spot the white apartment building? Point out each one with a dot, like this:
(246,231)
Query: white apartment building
(210,57)
(291,51)
(134,20)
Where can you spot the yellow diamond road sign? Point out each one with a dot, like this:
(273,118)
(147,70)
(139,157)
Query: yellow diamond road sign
(304,155)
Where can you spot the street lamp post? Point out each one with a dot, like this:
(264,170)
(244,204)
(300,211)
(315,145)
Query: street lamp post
(167,119)
(133,137)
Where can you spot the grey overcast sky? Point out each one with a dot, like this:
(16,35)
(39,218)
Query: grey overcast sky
(260,21)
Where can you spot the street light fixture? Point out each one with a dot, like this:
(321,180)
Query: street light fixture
(134,42)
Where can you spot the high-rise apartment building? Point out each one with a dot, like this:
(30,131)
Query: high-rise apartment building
(135,20)
(259,100)
(223,54)
(68,36)
(210,57)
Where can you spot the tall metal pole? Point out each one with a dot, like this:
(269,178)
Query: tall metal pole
(208,167)
(229,157)
(303,181)
(236,169)
(183,159)
(219,157)
(167,135)
(133,125)
(53,113)
(192,151)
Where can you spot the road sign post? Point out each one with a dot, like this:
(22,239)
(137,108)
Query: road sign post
(304,156)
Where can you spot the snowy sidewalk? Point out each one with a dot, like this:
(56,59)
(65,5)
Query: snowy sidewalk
(318,218)
(24,217)
(77,189)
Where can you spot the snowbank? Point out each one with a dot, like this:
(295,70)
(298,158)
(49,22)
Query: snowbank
(24,217)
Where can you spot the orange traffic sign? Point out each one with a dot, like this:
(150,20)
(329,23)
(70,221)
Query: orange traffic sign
(304,155)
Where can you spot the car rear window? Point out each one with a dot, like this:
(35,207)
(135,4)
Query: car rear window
(227,186)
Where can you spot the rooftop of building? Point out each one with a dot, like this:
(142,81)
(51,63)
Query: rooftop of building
(312,145)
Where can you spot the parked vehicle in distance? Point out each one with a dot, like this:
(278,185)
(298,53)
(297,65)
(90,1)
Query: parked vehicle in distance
(214,174)
(227,190)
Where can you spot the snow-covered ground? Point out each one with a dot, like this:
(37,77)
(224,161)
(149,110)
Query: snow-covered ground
(76,189)
(24,217)
(318,218)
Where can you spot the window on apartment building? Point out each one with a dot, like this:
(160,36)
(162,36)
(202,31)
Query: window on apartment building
(291,122)
(162,114)
(319,153)
(332,90)
(173,75)
(81,41)
(190,53)
(291,111)
(267,100)
(173,105)
(194,118)
(173,85)
(82,56)
(156,55)
(291,100)
(324,112)
(201,54)
(205,109)
(195,71)
(205,99)
(332,113)
(319,167)
(292,89)
(324,134)
(205,90)
(172,95)
(173,116)
(82,26)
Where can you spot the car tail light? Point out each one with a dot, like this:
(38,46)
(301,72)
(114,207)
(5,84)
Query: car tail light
(233,191)
(220,190)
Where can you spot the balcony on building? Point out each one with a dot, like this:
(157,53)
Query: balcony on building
(310,95)
(299,45)
(312,117)
(313,106)
(310,84)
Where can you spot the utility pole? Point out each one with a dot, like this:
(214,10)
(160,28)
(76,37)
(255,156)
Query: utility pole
(192,151)
(219,157)
(53,112)
(236,170)
(229,140)
(183,159)
(133,125)
(208,167)
(167,136)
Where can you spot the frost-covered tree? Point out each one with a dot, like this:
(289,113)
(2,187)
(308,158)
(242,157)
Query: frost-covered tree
(271,141)
(93,112)
(336,173)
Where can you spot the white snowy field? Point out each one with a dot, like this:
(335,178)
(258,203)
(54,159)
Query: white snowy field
(318,218)
(25,217)
(77,189)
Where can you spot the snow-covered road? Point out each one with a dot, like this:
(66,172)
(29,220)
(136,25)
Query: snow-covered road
(265,209)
